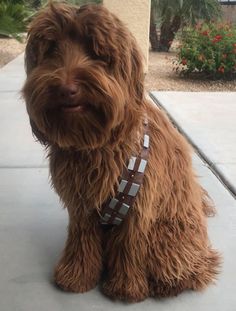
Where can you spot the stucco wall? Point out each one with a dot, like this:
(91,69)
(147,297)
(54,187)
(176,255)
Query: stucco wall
(136,15)
(229,12)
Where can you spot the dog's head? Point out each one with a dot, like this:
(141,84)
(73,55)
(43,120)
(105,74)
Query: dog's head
(84,75)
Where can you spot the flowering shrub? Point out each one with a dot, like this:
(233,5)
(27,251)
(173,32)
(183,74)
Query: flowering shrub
(209,49)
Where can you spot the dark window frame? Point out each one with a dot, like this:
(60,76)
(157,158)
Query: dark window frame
(227,2)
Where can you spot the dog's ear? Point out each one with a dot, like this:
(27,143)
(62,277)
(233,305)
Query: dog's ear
(137,72)
(110,40)
(95,28)
(39,37)
(30,54)
(33,46)
(37,134)
(35,51)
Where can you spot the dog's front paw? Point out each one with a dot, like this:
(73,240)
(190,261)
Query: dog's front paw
(70,277)
(131,290)
(163,290)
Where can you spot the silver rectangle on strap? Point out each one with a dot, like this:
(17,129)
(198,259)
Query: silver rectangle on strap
(117,221)
(134,189)
(122,185)
(124,209)
(113,203)
(106,217)
(142,166)
(131,163)
(146,141)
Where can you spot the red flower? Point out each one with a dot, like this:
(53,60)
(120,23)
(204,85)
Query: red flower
(205,33)
(217,38)
(184,61)
(224,56)
(221,69)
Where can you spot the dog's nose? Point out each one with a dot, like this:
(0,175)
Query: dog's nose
(68,91)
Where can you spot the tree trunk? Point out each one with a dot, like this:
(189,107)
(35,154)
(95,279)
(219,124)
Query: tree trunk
(168,31)
(153,33)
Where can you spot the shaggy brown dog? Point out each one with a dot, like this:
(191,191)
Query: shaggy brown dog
(85,99)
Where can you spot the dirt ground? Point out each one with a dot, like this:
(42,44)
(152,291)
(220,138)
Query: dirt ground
(160,77)
(9,49)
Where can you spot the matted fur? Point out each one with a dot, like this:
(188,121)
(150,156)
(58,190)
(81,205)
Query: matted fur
(87,56)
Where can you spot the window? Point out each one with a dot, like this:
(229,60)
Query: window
(228,2)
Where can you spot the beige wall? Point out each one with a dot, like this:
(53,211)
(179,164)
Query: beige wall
(229,12)
(136,15)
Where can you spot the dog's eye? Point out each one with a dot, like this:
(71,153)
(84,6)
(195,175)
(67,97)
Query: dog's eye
(100,58)
(51,49)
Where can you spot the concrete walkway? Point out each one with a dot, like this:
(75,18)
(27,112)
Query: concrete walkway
(33,226)
(209,122)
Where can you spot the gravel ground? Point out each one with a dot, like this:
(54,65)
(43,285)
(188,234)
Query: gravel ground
(9,49)
(160,76)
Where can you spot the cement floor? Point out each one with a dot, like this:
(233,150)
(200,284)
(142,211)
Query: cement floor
(208,120)
(33,226)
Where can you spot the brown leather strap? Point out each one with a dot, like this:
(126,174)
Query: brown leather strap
(115,209)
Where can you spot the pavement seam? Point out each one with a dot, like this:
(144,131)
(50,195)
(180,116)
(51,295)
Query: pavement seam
(10,91)
(220,176)
(22,167)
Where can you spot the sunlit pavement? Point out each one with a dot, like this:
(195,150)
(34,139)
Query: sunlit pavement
(33,224)
(208,119)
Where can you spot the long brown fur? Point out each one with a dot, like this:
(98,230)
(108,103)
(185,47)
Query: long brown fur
(162,247)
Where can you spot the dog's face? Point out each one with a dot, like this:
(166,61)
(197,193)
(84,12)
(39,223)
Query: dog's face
(84,75)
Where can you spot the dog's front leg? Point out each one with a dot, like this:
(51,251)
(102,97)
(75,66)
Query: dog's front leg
(126,264)
(80,266)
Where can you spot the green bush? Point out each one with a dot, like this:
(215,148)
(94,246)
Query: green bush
(13,17)
(81,2)
(77,2)
(208,49)
(15,14)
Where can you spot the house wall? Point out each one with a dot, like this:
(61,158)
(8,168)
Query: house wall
(136,15)
(229,13)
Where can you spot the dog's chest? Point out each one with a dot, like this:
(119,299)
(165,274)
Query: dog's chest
(79,180)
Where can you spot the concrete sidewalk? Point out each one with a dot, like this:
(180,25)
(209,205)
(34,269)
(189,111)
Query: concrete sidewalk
(17,148)
(209,122)
(33,225)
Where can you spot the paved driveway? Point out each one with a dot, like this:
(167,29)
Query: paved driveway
(33,226)
(208,119)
